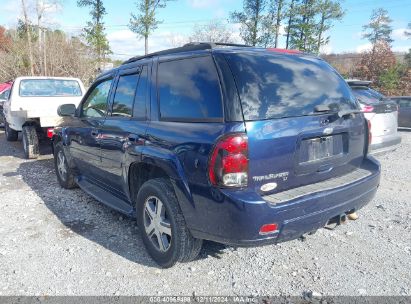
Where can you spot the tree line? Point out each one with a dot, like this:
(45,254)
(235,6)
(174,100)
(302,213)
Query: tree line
(32,48)
(304,22)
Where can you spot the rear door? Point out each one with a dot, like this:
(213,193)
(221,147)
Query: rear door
(291,142)
(124,129)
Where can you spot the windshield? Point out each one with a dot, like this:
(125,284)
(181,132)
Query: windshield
(49,88)
(5,95)
(367,95)
(276,86)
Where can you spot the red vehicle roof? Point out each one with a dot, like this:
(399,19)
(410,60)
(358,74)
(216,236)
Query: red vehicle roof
(5,86)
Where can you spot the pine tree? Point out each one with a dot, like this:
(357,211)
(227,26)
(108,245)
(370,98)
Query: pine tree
(291,15)
(379,28)
(274,19)
(407,32)
(303,32)
(94,31)
(253,22)
(329,11)
(146,22)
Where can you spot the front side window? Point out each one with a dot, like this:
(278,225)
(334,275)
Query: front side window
(124,96)
(49,88)
(189,89)
(95,105)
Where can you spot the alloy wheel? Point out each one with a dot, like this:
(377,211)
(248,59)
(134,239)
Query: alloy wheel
(156,224)
(61,165)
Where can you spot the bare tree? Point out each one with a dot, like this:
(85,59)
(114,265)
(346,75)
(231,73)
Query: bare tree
(215,31)
(28,31)
(42,8)
(67,56)
(176,40)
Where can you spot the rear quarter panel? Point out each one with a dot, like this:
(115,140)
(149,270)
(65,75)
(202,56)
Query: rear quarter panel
(182,150)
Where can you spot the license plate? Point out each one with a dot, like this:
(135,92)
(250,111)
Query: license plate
(320,148)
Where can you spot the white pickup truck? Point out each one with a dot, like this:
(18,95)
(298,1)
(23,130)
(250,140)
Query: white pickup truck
(32,108)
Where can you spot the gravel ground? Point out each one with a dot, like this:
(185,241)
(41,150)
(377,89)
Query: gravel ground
(63,242)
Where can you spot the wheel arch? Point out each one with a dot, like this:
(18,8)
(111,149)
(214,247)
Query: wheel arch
(167,167)
(31,123)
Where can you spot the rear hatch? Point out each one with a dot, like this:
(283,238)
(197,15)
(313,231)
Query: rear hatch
(381,111)
(295,135)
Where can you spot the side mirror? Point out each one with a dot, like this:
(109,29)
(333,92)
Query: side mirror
(66,110)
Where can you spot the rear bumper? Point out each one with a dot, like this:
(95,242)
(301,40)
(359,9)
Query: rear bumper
(384,143)
(239,215)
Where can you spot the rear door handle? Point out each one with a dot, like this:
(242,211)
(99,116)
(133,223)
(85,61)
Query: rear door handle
(136,139)
(133,138)
(94,133)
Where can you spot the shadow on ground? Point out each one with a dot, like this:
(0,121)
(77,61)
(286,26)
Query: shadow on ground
(15,148)
(83,215)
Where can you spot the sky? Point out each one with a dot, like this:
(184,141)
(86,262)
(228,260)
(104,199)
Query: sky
(180,16)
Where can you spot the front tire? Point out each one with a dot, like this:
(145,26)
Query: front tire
(11,135)
(65,175)
(30,142)
(162,225)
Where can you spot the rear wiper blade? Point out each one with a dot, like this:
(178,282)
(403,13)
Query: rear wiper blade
(340,114)
(322,108)
(344,113)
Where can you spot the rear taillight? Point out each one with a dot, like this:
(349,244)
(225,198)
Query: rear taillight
(228,165)
(367,108)
(50,133)
(268,229)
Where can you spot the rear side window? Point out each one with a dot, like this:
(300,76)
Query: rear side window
(189,89)
(124,96)
(276,86)
(140,101)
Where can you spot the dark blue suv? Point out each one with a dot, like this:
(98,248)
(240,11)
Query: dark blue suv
(239,145)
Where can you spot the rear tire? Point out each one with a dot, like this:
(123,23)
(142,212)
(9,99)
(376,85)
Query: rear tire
(164,231)
(30,142)
(11,135)
(65,175)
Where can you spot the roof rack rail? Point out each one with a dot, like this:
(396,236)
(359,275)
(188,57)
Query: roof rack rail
(212,45)
(192,46)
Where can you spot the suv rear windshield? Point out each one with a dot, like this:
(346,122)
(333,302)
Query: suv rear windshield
(367,95)
(276,86)
(49,88)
